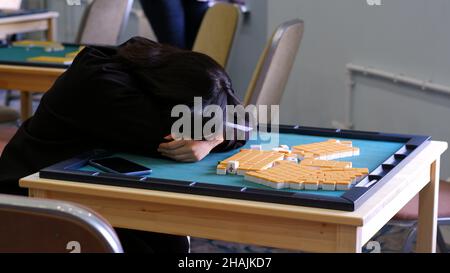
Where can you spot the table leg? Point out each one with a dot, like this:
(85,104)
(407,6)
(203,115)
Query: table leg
(428,209)
(52,29)
(25,105)
(348,239)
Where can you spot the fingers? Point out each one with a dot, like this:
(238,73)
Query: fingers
(168,137)
(172,145)
(185,150)
(181,158)
(178,151)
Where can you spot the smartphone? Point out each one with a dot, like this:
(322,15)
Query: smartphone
(119,165)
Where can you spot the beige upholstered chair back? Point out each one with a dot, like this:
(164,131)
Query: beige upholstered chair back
(274,66)
(38,225)
(104,22)
(217,31)
(10,4)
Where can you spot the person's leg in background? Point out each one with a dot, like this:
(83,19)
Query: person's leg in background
(167,20)
(194,11)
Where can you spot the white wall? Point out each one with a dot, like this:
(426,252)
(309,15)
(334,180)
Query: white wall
(401,36)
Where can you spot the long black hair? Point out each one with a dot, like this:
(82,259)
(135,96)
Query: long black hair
(177,75)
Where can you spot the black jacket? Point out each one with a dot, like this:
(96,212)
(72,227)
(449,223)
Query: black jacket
(96,103)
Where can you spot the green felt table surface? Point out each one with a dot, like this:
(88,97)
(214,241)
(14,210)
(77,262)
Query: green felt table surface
(21,54)
(372,154)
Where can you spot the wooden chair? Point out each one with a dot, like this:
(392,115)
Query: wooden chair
(274,66)
(217,31)
(39,225)
(104,21)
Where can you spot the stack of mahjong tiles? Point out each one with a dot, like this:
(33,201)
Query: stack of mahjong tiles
(326,150)
(248,160)
(310,174)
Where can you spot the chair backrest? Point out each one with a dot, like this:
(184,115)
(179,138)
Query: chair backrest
(10,4)
(104,21)
(38,225)
(217,31)
(274,66)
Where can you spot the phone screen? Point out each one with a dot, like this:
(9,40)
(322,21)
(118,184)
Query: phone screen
(120,165)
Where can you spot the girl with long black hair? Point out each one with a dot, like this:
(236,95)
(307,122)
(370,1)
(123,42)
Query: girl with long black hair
(120,99)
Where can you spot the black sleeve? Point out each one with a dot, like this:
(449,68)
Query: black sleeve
(124,117)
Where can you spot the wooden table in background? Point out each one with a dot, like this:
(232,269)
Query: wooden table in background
(25,79)
(268,224)
(45,21)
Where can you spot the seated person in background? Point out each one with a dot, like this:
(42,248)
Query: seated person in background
(175,22)
(120,99)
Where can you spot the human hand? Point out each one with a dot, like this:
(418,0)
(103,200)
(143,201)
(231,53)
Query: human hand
(187,150)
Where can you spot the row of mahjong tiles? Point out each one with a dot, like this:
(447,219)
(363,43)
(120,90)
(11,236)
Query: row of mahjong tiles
(250,160)
(314,175)
(257,166)
(328,150)
(255,159)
